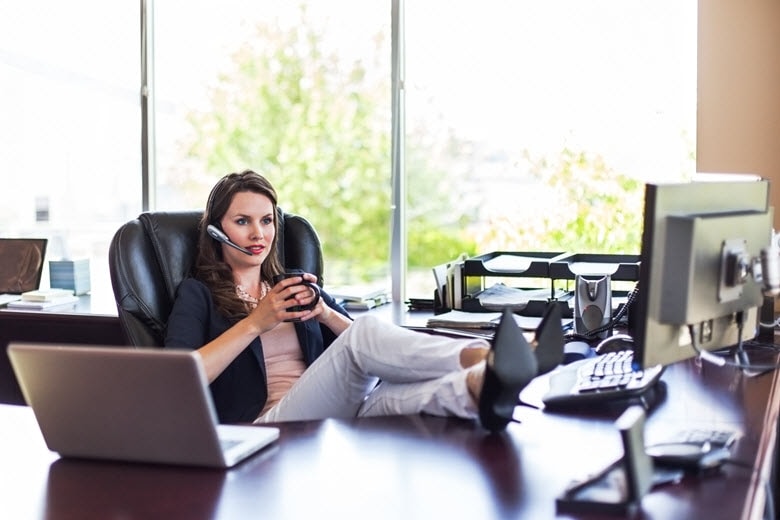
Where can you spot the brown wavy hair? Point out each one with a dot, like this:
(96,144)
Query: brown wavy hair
(210,265)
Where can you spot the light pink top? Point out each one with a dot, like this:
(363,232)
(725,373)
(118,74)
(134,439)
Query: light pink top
(283,361)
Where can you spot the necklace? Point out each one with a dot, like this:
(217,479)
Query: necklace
(244,295)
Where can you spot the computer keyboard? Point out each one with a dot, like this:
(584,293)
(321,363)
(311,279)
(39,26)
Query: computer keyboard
(717,438)
(604,378)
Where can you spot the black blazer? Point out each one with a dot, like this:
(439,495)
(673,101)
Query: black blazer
(240,391)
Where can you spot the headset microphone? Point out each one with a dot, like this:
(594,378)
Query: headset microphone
(219,236)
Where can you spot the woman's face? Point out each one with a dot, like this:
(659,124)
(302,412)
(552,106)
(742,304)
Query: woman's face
(249,222)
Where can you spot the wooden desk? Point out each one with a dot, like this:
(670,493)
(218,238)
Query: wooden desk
(412,467)
(88,322)
(93,321)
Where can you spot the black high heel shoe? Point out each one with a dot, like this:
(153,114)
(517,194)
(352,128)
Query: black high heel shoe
(548,344)
(511,365)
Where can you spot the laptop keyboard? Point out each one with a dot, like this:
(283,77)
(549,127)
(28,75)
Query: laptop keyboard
(608,377)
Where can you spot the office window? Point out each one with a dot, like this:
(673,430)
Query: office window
(527,123)
(70,126)
(298,91)
(532,126)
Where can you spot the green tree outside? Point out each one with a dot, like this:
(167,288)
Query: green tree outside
(591,209)
(319,129)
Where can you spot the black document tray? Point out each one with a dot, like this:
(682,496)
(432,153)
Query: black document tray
(511,263)
(515,264)
(619,267)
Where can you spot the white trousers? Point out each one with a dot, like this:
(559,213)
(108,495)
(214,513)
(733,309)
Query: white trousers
(418,372)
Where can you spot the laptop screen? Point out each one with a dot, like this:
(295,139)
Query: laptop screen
(21,264)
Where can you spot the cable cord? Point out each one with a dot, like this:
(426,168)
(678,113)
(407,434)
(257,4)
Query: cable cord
(772,325)
(742,359)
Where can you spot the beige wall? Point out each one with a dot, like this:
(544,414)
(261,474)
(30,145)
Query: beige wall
(739,90)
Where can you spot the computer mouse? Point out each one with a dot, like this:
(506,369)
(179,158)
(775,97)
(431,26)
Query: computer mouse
(688,456)
(576,350)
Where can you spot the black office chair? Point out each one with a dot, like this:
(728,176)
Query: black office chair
(150,255)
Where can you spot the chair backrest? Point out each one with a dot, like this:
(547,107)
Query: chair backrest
(149,257)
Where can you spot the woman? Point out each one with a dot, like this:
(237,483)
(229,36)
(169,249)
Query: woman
(267,363)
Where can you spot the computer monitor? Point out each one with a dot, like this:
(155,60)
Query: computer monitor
(700,244)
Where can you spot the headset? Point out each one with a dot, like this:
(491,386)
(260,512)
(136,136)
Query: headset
(213,231)
(220,236)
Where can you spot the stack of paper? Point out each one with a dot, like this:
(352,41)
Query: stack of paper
(70,274)
(449,282)
(500,296)
(466,320)
(360,297)
(44,298)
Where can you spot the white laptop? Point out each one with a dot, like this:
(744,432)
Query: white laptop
(129,404)
(21,266)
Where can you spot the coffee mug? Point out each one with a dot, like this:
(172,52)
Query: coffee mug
(311,285)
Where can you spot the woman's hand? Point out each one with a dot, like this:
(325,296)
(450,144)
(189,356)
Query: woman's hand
(269,312)
(287,293)
(332,319)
